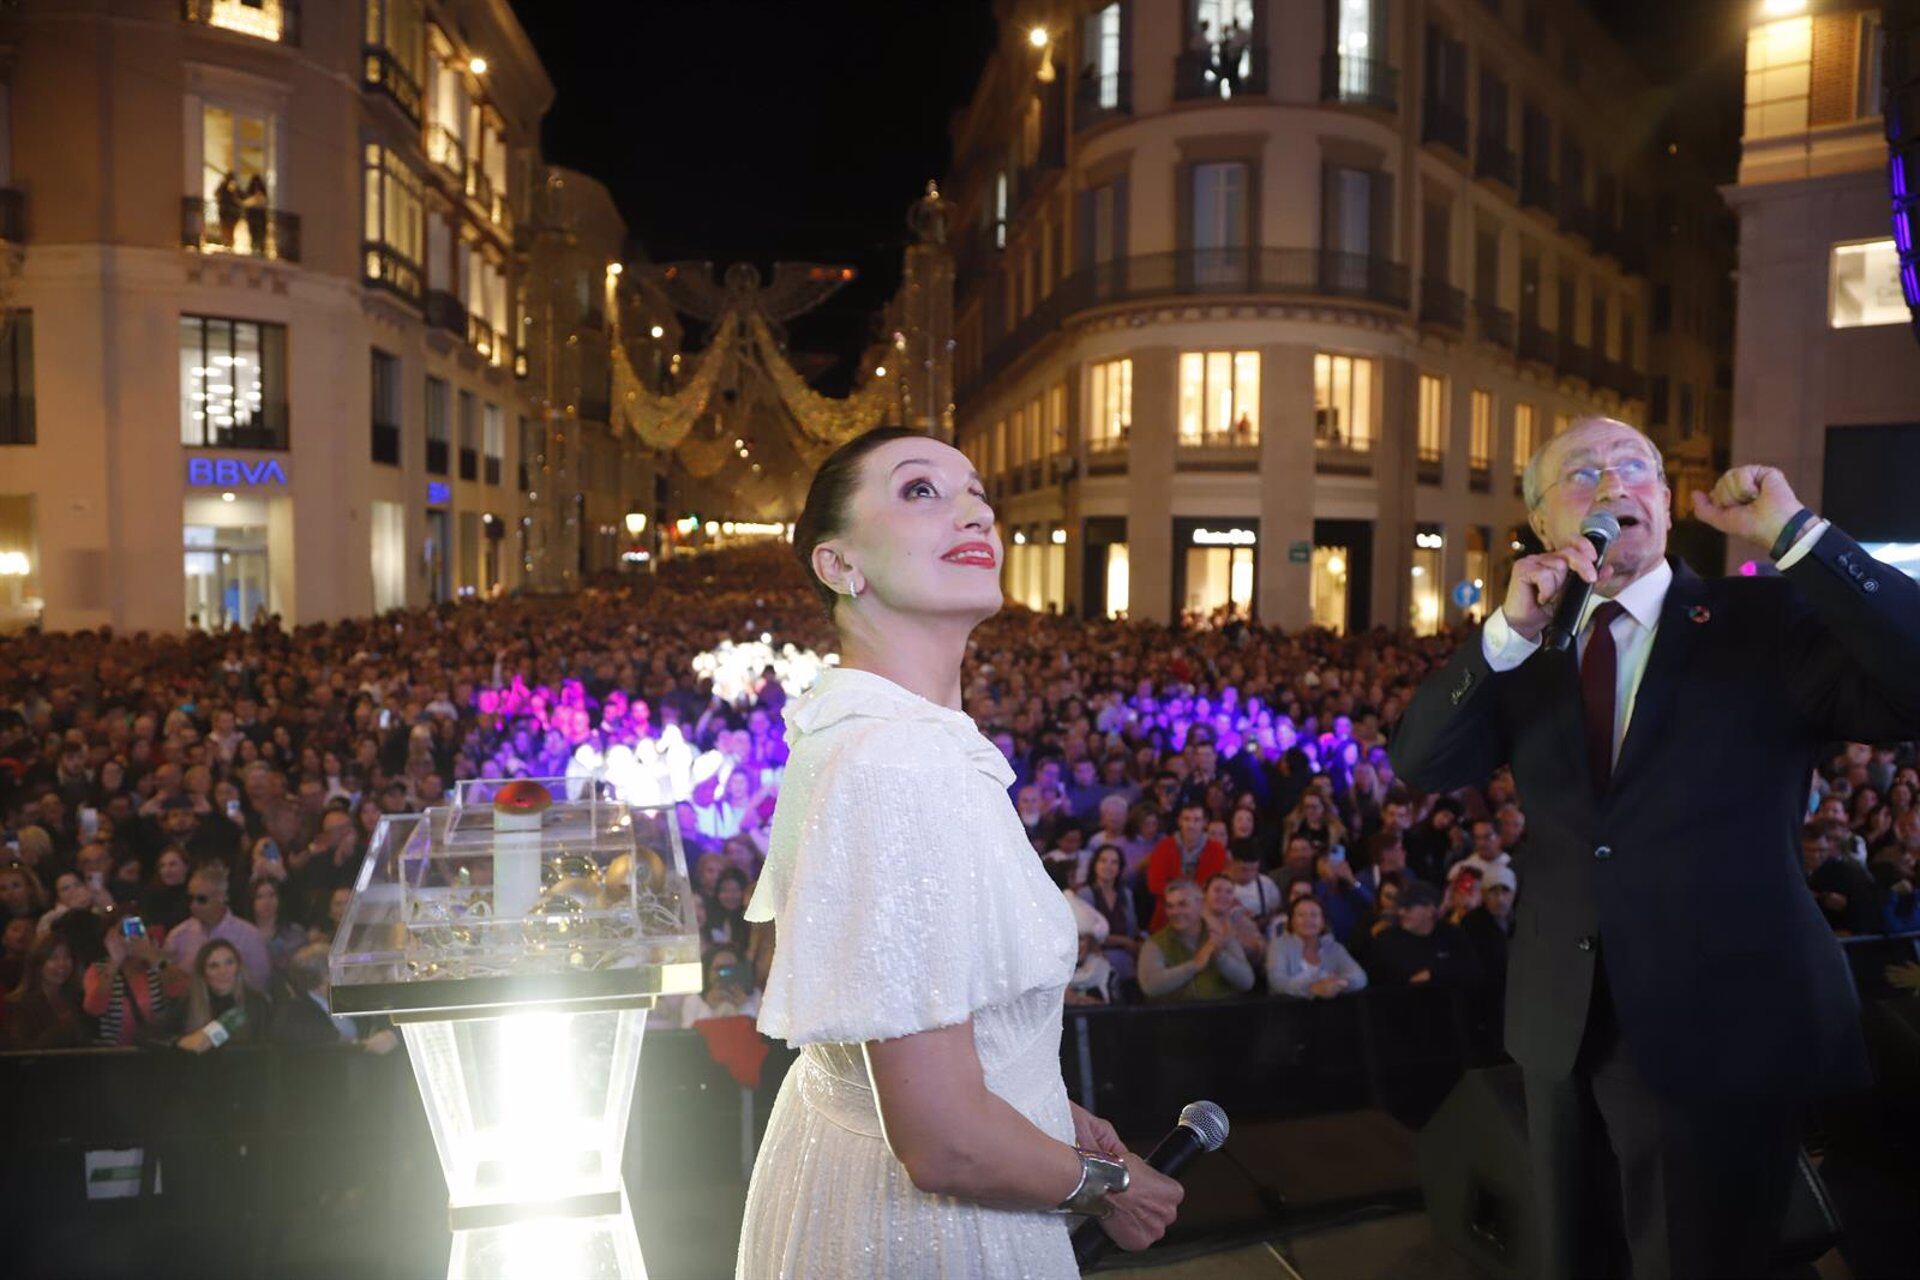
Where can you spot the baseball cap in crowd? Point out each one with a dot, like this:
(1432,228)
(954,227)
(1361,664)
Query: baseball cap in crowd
(1499,876)
(1419,893)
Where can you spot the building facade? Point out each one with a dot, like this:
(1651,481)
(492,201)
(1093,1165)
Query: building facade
(1263,304)
(265,343)
(1826,378)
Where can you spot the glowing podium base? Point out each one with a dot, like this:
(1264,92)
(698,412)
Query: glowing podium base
(517,938)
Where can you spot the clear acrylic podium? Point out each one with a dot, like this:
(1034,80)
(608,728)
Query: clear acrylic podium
(517,938)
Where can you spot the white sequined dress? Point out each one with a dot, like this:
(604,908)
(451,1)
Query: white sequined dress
(906,898)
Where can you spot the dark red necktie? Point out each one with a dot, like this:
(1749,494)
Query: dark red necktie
(1599,668)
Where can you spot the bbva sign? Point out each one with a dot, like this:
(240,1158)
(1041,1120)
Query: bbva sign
(229,472)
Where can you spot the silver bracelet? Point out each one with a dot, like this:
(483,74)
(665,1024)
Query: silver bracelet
(1099,1178)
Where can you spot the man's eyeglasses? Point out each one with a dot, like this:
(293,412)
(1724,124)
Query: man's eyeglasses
(1584,479)
(201,899)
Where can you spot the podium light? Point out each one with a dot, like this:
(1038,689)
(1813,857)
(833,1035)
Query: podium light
(517,938)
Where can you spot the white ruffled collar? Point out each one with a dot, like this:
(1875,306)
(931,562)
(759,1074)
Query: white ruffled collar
(846,693)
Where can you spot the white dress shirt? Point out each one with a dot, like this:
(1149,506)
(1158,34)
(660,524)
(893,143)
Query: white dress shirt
(1633,630)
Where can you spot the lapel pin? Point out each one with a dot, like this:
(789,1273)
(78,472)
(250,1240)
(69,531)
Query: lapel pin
(1699,613)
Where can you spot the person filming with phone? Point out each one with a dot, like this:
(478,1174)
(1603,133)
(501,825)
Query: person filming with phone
(127,991)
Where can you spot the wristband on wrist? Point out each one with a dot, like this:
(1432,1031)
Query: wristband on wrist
(1099,1178)
(1790,531)
(216,1032)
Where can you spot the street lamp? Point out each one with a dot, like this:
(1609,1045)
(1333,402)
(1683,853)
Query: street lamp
(636,523)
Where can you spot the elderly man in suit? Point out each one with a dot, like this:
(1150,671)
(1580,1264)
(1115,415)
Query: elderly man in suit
(1664,759)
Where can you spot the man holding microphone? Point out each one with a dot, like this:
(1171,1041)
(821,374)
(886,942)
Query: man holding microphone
(1663,757)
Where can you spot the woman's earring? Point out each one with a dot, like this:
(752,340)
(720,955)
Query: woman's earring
(853,587)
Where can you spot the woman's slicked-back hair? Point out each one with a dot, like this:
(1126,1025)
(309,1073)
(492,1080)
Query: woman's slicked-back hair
(830,499)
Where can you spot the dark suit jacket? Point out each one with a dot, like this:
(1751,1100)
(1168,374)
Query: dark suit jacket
(1685,876)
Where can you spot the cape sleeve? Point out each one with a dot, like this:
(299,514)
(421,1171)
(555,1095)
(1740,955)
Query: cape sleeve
(900,906)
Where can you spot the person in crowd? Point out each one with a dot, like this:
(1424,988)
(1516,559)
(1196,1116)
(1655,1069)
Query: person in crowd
(305,1017)
(222,1007)
(282,936)
(1313,818)
(163,903)
(1844,889)
(1188,960)
(1246,840)
(44,1011)
(1296,863)
(1431,845)
(21,894)
(726,924)
(1343,899)
(208,919)
(1093,980)
(1187,854)
(1255,889)
(1306,962)
(1116,830)
(1483,852)
(1386,857)
(1421,948)
(1489,926)
(16,940)
(1462,894)
(1224,914)
(1108,893)
(78,915)
(126,990)
(728,991)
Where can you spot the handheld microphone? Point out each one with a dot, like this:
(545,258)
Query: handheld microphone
(1599,529)
(1202,1127)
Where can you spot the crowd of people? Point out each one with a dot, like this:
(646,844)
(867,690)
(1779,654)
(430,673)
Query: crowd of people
(183,815)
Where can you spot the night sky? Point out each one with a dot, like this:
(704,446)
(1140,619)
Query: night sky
(802,129)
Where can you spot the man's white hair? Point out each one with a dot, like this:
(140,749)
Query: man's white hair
(1533,484)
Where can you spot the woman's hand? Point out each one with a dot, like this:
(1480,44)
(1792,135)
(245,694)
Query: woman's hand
(1095,1134)
(1143,1212)
(195,1042)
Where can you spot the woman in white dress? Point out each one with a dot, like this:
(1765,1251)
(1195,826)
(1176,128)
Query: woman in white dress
(921,952)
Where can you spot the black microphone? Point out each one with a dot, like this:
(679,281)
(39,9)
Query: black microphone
(1600,529)
(1202,1127)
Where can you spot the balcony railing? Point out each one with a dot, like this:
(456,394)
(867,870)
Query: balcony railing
(1359,82)
(491,470)
(1444,124)
(437,457)
(253,231)
(13,215)
(485,339)
(16,420)
(386,443)
(469,463)
(446,312)
(1537,344)
(263,427)
(1241,436)
(1574,361)
(1429,469)
(1621,379)
(445,149)
(593,409)
(1443,305)
(1197,75)
(388,268)
(480,186)
(1494,160)
(1480,478)
(1306,273)
(382,72)
(1576,217)
(1100,98)
(275,20)
(1495,325)
(1536,188)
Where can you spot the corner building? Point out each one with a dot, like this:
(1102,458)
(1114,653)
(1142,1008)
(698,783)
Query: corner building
(261,328)
(1263,304)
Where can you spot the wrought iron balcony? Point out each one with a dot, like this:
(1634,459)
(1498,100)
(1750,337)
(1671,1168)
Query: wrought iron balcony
(387,267)
(437,457)
(446,312)
(13,215)
(1495,325)
(1494,160)
(262,426)
(1198,76)
(1537,344)
(382,72)
(469,463)
(1444,124)
(253,231)
(445,149)
(386,443)
(1536,188)
(1359,82)
(1443,306)
(275,20)
(1098,98)
(1574,361)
